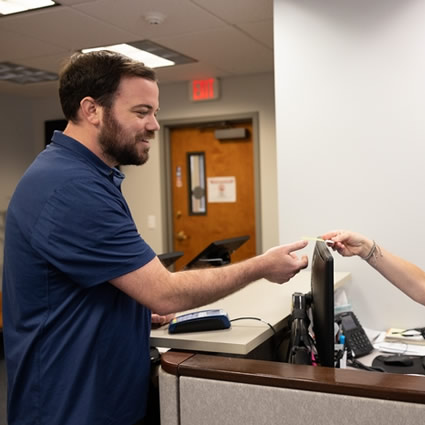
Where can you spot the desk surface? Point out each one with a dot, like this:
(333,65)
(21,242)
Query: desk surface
(262,299)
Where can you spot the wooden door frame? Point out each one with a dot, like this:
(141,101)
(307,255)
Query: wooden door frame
(165,170)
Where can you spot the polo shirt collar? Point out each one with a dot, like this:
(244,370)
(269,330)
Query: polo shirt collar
(113,174)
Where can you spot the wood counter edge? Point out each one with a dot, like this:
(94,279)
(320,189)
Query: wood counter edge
(171,360)
(387,386)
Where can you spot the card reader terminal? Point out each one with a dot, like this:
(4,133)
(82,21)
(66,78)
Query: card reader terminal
(200,321)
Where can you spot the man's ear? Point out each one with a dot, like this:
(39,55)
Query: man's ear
(91,111)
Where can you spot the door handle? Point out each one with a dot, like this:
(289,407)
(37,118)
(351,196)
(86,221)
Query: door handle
(181,236)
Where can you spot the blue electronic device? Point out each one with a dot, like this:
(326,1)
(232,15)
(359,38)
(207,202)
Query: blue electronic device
(200,321)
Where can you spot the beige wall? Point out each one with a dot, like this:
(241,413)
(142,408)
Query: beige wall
(17,151)
(238,95)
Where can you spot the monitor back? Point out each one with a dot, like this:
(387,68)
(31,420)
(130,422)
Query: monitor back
(322,303)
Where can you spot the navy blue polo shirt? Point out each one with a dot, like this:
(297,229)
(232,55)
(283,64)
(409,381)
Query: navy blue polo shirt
(77,348)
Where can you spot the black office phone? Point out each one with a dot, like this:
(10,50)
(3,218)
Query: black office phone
(357,342)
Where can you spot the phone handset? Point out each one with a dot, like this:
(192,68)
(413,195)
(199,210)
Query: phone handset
(358,344)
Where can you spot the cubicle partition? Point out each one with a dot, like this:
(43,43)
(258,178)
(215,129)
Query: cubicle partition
(198,388)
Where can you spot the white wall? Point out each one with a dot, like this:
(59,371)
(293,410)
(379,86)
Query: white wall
(22,120)
(350,106)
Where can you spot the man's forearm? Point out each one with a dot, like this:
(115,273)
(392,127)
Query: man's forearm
(194,288)
(165,292)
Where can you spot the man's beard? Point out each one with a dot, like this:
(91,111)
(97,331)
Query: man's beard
(120,147)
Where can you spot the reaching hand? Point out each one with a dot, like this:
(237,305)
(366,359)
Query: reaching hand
(349,243)
(283,264)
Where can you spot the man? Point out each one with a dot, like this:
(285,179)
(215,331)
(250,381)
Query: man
(79,281)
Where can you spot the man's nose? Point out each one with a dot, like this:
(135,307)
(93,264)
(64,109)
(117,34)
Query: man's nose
(154,124)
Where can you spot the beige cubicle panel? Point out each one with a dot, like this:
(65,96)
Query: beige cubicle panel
(197,388)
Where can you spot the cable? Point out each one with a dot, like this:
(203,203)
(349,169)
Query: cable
(255,318)
(359,365)
(276,346)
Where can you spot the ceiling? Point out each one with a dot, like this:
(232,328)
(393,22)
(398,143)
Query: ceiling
(226,37)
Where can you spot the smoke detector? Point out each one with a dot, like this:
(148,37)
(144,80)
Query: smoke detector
(154,18)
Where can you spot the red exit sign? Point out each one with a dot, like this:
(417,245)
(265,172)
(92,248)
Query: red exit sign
(204,89)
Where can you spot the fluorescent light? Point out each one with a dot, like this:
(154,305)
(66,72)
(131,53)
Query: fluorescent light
(21,74)
(149,59)
(8,7)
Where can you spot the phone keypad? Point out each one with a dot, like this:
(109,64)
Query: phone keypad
(359,343)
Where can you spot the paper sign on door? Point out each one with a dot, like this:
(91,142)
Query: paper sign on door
(221,189)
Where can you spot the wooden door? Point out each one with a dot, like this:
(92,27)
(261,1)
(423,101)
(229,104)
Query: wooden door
(229,167)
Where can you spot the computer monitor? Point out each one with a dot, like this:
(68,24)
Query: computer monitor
(169,258)
(50,126)
(217,253)
(322,303)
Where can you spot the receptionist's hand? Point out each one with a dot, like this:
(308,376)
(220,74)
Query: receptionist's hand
(349,243)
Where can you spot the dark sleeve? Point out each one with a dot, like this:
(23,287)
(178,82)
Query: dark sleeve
(86,232)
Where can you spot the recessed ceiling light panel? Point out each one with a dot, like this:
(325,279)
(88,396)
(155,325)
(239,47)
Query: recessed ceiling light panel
(148,52)
(23,75)
(8,7)
(149,59)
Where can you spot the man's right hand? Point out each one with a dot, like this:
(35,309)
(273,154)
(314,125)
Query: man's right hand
(282,263)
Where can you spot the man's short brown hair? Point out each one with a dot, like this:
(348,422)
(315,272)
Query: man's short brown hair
(96,74)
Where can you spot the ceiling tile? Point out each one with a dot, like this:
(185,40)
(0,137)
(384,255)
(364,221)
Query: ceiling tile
(237,11)
(181,17)
(231,51)
(65,27)
(15,46)
(74,2)
(261,31)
